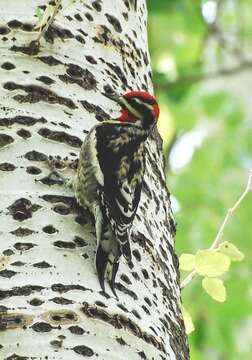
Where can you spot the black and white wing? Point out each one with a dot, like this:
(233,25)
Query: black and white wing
(120,153)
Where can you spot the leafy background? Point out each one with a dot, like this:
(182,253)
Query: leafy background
(202,61)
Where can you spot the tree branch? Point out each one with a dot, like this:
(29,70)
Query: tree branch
(195,78)
(220,233)
(50,21)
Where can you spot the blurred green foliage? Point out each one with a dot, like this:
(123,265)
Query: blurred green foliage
(192,44)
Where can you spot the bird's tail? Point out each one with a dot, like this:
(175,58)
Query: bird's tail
(125,246)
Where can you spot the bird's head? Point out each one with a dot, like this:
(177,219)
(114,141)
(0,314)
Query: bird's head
(138,107)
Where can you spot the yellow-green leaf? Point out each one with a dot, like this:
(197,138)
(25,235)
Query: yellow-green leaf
(186,262)
(231,251)
(215,288)
(44,17)
(211,263)
(189,327)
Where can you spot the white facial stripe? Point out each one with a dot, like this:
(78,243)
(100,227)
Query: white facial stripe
(130,108)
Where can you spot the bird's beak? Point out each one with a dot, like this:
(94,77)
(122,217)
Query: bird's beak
(113,97)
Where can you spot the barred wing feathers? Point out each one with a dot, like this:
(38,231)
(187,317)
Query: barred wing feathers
(120,153)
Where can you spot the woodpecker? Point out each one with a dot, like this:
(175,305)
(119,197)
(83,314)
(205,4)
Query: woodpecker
(110,176)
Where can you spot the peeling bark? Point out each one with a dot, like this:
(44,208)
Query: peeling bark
(51,304)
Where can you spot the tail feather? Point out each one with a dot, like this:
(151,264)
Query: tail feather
(101,265)
(113,276)
(125,246)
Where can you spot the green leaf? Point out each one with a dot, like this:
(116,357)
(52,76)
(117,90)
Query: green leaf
(189,327)
(39,13)
(211,263)
(42,20)
(231,251)
(187,262)
(215,288)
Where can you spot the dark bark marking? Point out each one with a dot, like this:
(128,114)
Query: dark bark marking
(14,24)
(65,244)
(145,274)
(78,17)
(61,209)
(27,27)
(135,275)
(70,204)
(21,120)
(8,66)
(7,273)
(122,307)
(80,39)
(54,32)
(114,22)
(82,32)
(65,288)
(90,59)
(20,291)
(42,265)
(7,166)
(136,314)
(119,321)
(36,302)
(61,301)
(18,263)
(77,75)
(121,341)
(142,355)
(100,114)
(136,254)
(5,140)
(125,278)
(56,343)
(4,30)
(24,246)
(23,133)
(22,232)
(41,327)
(35,156)
(37,93)
(50,60)
(51,179)
(83,350)
(49,229)
(79,241)
(126,291)
(22,209)
(143,242)
(16,357)
(63,316)
(45,79)
(147,300)
(89,16)
(11,321)
(145,310)
(60,136)
(96,5)
(31,49)
(33,170)
(8,252)
(100,303)
(119,73)
(77,330)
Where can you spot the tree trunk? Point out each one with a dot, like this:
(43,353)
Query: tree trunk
(51,303)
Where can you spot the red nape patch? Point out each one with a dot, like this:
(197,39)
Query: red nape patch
(156,110)
(141,94)
(126,116)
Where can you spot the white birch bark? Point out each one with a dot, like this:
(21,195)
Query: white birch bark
(51,306)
